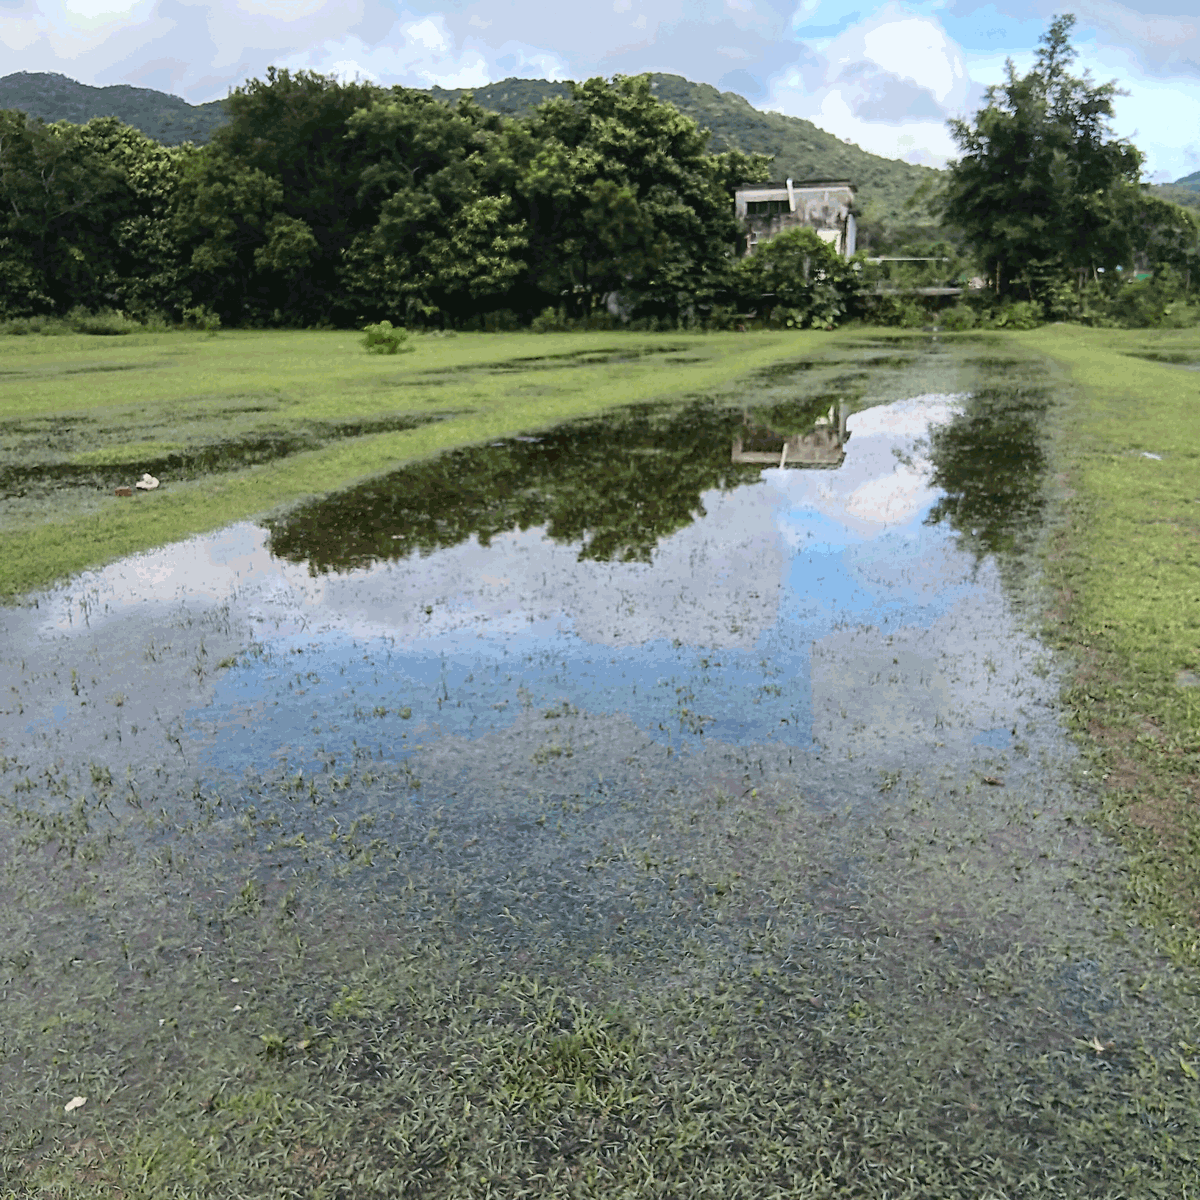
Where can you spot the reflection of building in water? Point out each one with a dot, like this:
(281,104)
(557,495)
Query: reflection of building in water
(823,447)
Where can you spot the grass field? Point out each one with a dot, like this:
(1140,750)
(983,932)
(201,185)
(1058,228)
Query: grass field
(244,423)
(733,1026)
(1127,573)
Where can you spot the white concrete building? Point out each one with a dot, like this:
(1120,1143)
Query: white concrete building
(826,205)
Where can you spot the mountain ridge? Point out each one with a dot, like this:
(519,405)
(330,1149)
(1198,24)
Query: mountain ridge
(800,149)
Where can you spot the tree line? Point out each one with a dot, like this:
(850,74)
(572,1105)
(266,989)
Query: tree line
(342,203)
(1050,202)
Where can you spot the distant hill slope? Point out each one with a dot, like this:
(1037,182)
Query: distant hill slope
(800,149)
(166,118)
(1185,191)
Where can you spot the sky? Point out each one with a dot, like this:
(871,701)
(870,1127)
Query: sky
(886,76)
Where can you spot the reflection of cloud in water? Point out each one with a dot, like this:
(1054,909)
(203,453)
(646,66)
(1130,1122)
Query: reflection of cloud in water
(721,622)
(885,479)
(230,565)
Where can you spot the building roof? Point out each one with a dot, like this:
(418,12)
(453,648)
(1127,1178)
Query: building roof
(799,183)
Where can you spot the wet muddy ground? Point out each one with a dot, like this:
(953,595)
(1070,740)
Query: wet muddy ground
(608,808)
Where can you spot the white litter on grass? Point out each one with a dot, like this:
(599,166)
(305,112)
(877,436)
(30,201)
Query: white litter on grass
(73,1104)
(1156,457)
(147,482)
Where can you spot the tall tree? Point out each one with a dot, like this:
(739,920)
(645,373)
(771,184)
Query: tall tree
(621,194)
(274,198)
(446,238)
(68,196)
(1042,187)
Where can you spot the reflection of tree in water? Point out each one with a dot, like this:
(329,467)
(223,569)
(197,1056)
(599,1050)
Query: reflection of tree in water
(990,463)
(617,485)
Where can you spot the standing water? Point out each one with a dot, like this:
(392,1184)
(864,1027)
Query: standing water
(727,717)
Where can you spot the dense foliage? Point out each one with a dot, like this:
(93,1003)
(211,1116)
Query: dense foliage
(799,148)
(320,202)
(1049,200)
(323,201)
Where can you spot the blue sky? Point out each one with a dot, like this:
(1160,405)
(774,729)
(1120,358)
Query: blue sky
(886,76)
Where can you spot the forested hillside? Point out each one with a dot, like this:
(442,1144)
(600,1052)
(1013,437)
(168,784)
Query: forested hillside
(315,200)
(165,118)
(800,150)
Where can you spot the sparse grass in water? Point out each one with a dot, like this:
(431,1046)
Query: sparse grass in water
(303,985)
(1127,571)
(258,421)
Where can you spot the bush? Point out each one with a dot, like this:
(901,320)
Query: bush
(502,320)
(801,277)
(46,326)
(105,322)
(1018,314)
(549,320)
(201,317)
(957,318)
(386,338)
(1159,302)
(904,311)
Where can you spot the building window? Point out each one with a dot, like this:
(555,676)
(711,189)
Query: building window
(766,208)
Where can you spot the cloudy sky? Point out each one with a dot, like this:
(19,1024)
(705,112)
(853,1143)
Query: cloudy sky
(884,75)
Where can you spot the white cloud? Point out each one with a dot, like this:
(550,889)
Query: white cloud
(916,48)
(90,11)
(285,11)
(427,33)
(885,76)
(888,85)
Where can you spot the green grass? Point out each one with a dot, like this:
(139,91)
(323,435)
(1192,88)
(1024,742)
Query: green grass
(312,408)
(1127,571)
(311,986)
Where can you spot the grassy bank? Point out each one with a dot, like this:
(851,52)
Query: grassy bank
(1127,573)
(247,422)
(482,975)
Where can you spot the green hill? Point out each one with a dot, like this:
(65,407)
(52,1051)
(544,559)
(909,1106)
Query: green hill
(166,118)
(800,149)
(1185,191)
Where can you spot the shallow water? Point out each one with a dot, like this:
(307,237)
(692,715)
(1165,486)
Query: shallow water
(636,573)
(631,692)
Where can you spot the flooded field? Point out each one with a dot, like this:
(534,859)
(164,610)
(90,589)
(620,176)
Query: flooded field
(671,803)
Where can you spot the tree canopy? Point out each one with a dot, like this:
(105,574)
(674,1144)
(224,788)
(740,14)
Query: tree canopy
(323,200)
(1043,190)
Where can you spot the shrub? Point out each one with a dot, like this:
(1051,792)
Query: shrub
(958,318)
(801,277)
(502,320)
(46,326)
(386,338)
(904,311)
(200,317)
(1018,314)
(549,320)
(105,322)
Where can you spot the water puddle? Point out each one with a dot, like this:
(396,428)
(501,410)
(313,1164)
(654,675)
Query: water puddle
(599,571)
(685,591)
(697,694)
